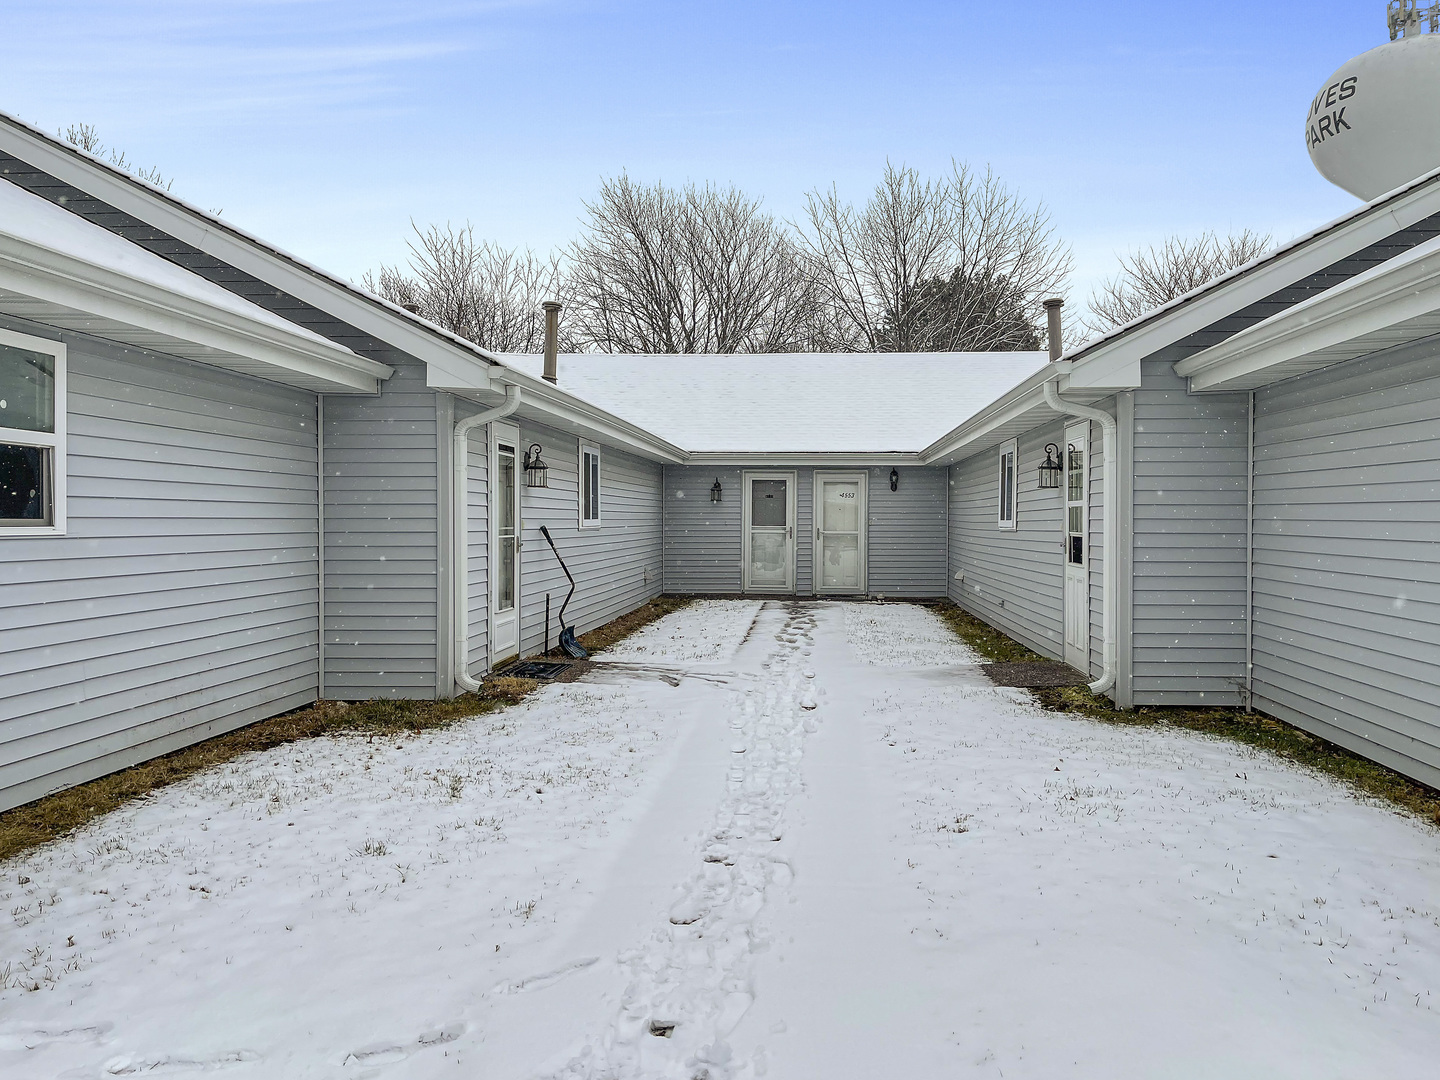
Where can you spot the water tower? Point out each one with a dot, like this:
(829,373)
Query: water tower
(1375,123)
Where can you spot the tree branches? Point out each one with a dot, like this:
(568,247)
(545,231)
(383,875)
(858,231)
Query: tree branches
(956,264)
(1157,275)
(688,270)
(481,291)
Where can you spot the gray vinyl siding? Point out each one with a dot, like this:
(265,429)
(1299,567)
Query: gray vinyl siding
(1347,557)
(702,538)
(1189,513)
(477,555)
(183,601)
(1095,542)
(908,533)
(906,537)
(381,529)
(616,565)
(1013,579)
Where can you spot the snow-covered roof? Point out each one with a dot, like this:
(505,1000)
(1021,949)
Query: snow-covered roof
(818,403)
(28,217)
(59,268)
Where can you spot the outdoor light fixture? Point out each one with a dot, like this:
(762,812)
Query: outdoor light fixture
(537,473)
(1050,468)
(894,479)
(715,490)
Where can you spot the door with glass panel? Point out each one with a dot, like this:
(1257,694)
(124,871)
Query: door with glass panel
(768,559)
(1077,574)
(840,517)
(504,542)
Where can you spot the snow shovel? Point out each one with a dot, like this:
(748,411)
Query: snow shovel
(567,633)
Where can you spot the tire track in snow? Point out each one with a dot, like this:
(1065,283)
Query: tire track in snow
(690,984)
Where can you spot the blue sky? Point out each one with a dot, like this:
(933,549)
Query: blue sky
(326,126)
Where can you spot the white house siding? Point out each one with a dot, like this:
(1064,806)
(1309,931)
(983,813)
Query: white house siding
(1013,579)
(381,533)
(905,543)
(1189,507)
(184,600)
(616,565)
(1347,556)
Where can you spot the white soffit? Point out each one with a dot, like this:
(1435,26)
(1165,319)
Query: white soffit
(59,269)
(1391,304)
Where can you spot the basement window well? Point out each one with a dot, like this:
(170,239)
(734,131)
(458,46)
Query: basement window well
(32,435)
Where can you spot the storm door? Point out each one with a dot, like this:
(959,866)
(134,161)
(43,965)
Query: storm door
(768,558)
(1077,574)
(840,518)
(504,542)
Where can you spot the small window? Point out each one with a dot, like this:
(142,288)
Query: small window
(1008,453)
(589,485)
(32,435)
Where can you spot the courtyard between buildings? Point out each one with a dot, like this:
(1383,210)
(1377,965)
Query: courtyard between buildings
(782,838)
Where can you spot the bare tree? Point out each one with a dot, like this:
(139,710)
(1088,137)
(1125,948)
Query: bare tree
(688,270)
(956,264)
(1156,275)
(485,293)
(87,138)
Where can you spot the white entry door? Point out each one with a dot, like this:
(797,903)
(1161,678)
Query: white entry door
(840,518)
(768,559)
(504,542)
(1077,575)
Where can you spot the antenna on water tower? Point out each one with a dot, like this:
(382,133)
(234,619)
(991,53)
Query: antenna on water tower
(1373,126)
(1407,18)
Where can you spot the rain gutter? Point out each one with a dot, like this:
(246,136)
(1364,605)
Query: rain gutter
(460,519)
(1110,546)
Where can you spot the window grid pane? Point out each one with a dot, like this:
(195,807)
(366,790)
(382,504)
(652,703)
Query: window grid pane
(27,390)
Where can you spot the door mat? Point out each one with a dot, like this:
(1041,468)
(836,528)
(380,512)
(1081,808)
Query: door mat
(1034,674)
(534,669)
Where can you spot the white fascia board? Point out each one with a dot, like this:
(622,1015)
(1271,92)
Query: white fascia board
(1025,398)
(1106,362)
(57,278)
(1395,292)
(233,246)
(826,459)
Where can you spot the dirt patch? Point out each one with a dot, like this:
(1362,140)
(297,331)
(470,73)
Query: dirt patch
(1031,674)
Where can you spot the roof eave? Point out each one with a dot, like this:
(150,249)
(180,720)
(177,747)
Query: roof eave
(1108,361)
(73,284)
(1314,333)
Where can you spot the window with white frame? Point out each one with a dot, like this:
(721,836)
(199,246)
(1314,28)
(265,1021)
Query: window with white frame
(589,485)
(32,435)
(1009,452)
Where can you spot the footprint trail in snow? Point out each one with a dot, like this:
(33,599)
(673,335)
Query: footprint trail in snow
(692,981)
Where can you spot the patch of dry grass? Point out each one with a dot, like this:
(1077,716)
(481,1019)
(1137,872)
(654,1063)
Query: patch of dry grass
(60,814)
(1253,729)
(57,815)
(602,637)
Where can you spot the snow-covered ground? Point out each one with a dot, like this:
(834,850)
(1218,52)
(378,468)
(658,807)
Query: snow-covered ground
(785,840)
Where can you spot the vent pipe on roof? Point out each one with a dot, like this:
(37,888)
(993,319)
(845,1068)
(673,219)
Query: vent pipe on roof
(552,339)
(1053,328)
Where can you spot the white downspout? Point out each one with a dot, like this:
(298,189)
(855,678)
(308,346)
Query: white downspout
(460,504)
(1109,614)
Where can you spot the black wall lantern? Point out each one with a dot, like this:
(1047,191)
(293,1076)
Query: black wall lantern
(537,473)
(894,479)
(1050,468)
(715,490)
